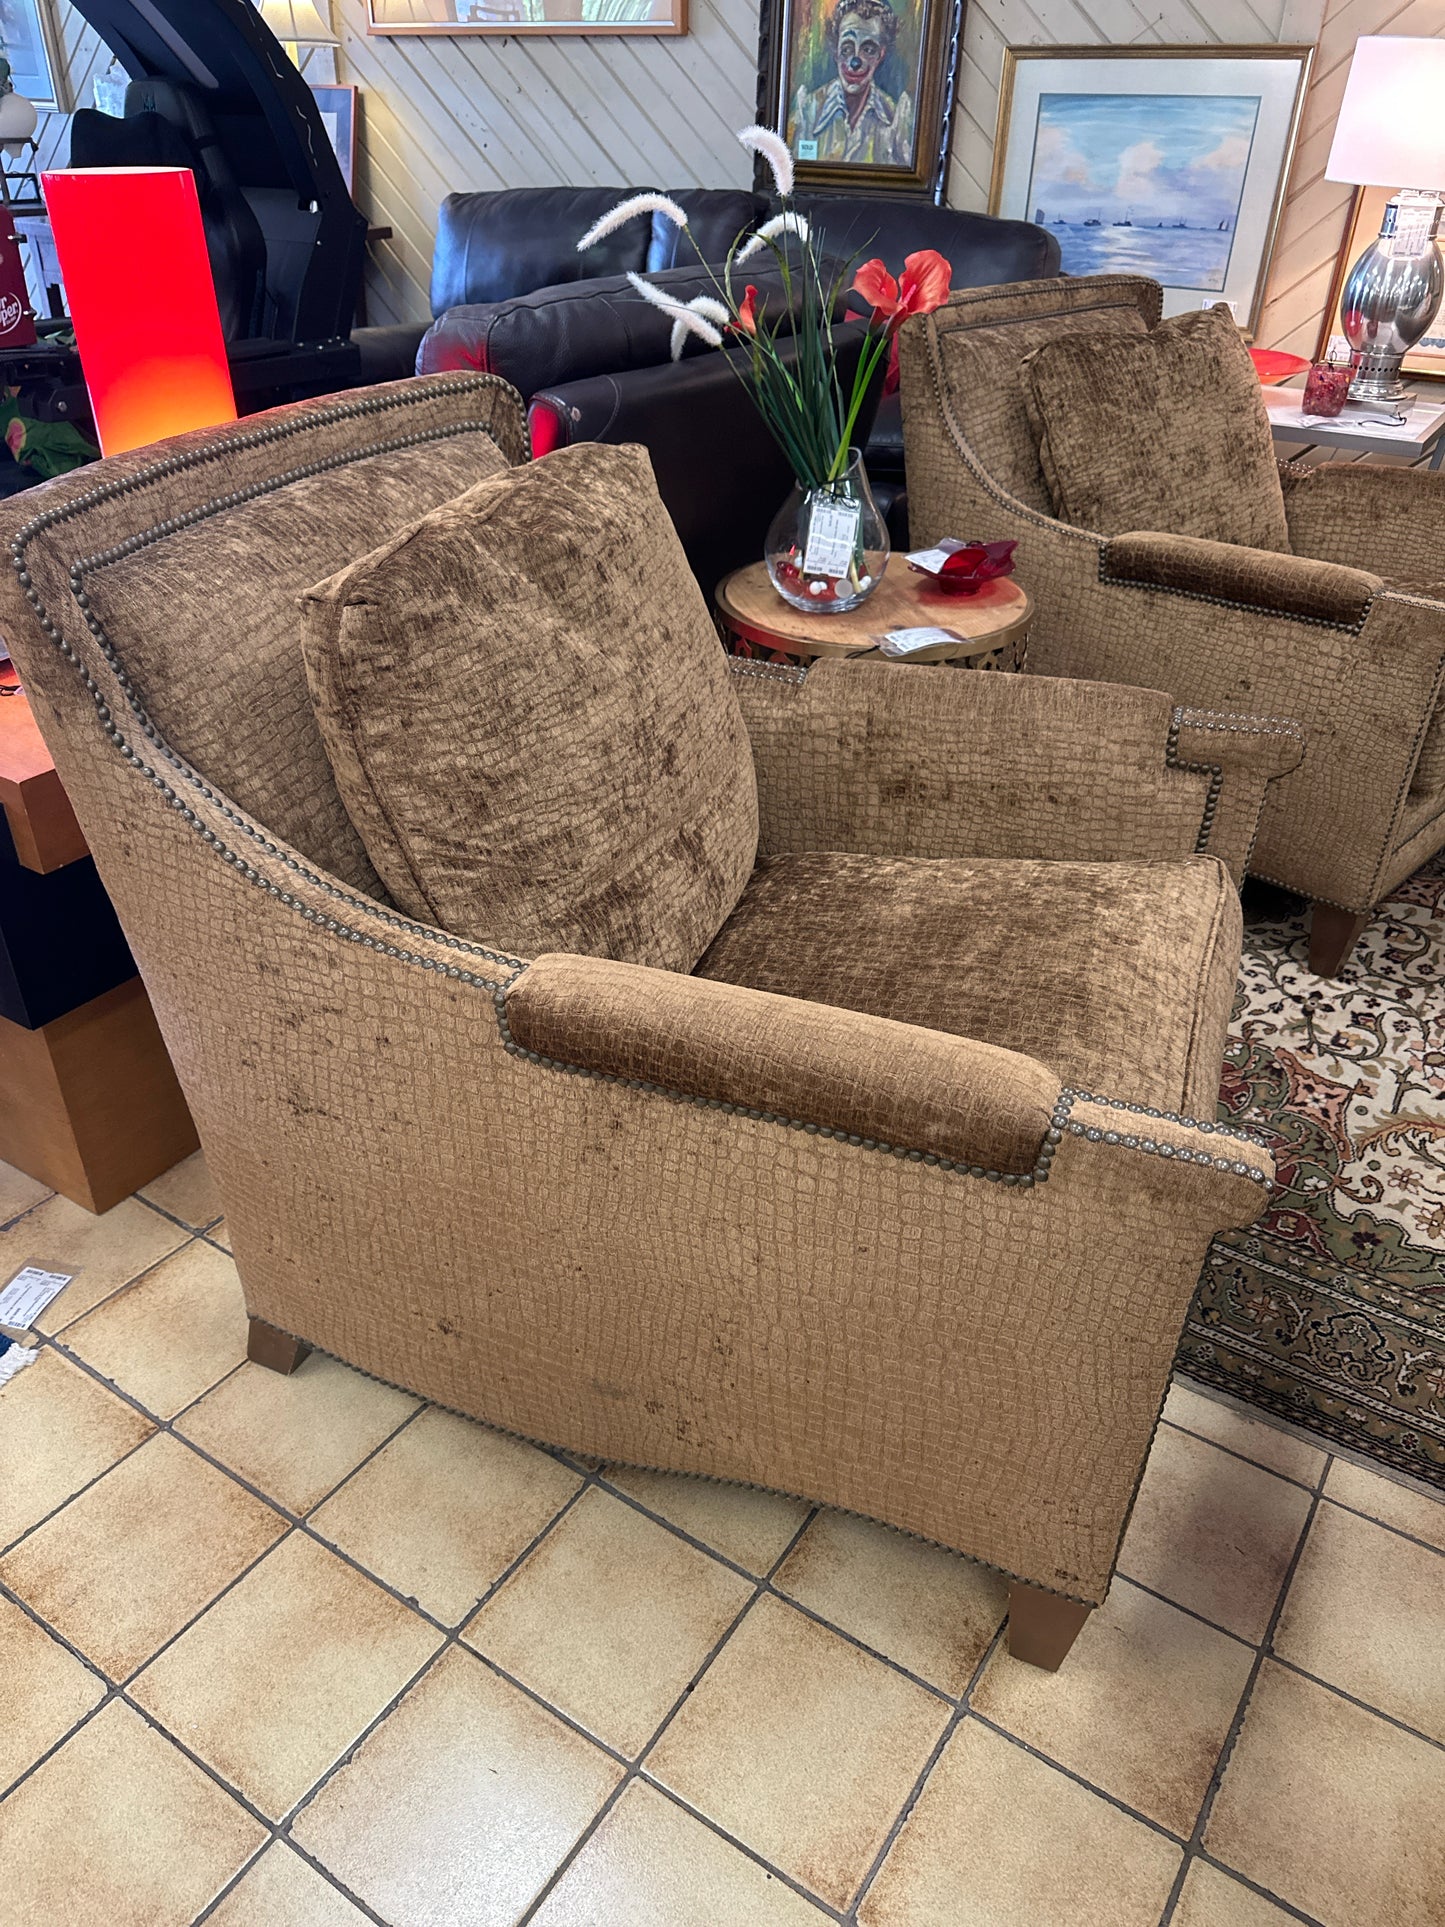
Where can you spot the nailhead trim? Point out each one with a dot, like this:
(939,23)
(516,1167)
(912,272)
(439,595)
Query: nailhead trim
(790,672)
(1212,770)
(1227,602)
(194,458)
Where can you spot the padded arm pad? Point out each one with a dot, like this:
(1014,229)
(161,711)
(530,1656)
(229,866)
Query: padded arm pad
(1283,585)
(838,1073)
(898,761)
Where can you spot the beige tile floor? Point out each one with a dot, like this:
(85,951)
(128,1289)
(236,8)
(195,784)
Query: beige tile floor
(305,1652)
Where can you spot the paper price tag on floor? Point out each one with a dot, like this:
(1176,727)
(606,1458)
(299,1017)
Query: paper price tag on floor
(832,538)
(29,1292)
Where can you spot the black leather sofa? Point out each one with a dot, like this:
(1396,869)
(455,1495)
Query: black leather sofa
(591,357)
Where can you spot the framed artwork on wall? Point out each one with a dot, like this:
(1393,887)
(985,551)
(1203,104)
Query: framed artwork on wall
(36,53)
(1426,360)
(1165,161)
(861,90)
(564,18)
(336,105)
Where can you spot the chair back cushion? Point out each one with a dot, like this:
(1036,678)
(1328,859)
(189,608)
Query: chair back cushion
(984,334)
(1164,431)
(189,557)
(530,717)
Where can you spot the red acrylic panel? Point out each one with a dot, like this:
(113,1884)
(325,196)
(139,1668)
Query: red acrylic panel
(138,284)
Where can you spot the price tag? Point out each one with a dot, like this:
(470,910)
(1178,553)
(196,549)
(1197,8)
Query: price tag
(832,538)
(29,1292)
(930,560)
(908,642)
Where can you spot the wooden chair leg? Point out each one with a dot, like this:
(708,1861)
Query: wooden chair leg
(278,1351)
(1042,1626)
(1333,935)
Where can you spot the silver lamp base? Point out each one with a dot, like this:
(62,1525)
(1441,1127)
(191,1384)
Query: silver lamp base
(1392,295)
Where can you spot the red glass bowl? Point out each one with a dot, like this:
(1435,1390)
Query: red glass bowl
(1273,365)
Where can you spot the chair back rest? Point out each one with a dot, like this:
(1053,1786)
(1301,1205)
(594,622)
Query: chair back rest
(978,339)
(179,566)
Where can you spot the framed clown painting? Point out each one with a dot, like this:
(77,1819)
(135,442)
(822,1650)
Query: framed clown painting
(861,90)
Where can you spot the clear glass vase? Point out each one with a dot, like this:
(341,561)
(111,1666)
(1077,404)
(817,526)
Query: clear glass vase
(828,547)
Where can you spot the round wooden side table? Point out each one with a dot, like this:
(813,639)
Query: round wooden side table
(993,623)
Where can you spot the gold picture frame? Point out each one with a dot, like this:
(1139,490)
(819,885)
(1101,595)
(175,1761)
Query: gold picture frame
(1426,360)
(562,19)
(1208,217)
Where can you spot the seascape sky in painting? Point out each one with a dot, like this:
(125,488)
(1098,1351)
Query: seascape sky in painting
(1143,183)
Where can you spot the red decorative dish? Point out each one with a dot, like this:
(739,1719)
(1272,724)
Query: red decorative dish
(962,568)
(1273,365)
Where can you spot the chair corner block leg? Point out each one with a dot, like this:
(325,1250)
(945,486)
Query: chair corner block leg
(278,1351)
(1042,1626)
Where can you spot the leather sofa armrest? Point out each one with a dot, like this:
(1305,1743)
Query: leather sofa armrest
(388,353)
(892,760)
(921,1094)
(1272,583)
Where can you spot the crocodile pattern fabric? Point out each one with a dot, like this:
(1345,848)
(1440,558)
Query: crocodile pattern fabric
(1073,965)
(1341,827)
(1165,430)
(653,1277)
(530,719)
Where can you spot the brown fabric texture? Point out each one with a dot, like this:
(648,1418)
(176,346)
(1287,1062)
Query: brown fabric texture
(650,1280)
(852,1072)
(868,756)
(240,713)
(1291,585)
(531,721)
(1117,976)
(990,330)
(1165,430)
(1364,696)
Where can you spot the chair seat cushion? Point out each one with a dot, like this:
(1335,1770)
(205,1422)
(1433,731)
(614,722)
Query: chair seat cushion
(1165,430)
(1117,976)
(531,721)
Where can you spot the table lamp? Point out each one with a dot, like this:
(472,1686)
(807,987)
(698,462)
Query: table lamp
(1391,130)
(150,341)
(297,24)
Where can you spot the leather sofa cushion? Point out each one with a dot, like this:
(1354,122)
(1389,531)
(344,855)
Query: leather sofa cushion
(982,249)
(531,721)
(716,216)
(1117,976)
(1164,431)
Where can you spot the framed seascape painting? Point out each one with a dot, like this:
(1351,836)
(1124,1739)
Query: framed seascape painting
(862,90)
(1426,359)
(1164,161)
(337,106)
(559,17)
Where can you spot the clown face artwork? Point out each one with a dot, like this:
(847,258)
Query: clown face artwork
(852,118)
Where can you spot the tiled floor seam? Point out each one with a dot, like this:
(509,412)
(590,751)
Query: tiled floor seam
(145,1272)
(1410,1538)
(1353,1699)
(196,1230)
(1195,1843)
(637,1768)
(1233,1452)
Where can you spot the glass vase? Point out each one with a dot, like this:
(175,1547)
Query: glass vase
(828,547)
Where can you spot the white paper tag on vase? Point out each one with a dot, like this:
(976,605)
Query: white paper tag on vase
(832,538)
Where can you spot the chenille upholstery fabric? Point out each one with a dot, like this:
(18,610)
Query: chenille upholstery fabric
(1358,667)
(241,712)
(1069,964)
(685,1281)
(1165,430)
(530,719)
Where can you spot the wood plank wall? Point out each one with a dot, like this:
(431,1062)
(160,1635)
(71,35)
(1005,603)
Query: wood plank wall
(440,113)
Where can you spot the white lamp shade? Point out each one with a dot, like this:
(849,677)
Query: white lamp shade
(298,22)
(1391,129)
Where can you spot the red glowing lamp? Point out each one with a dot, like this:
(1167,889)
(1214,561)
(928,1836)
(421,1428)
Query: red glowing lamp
(138,281)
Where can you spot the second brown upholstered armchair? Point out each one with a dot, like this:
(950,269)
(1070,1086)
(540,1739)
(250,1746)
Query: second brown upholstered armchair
(1345,631)
(891,1192)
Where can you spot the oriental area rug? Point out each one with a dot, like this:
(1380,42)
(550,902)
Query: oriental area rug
(1330,1311)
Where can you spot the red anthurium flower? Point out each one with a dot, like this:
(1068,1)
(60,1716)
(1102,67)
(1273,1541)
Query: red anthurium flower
(927,277)
(747,319)
(878,288)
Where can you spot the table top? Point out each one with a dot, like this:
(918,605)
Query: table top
(1424,422)
(904,599)
(42,823)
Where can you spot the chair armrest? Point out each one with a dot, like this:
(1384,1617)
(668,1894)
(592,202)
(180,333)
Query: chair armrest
(922,1094)
(1298,586)
(1369,516)
(896,761)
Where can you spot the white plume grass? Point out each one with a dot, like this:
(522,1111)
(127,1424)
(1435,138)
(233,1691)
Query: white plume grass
(629,210)
(687,321)
(774,150)
(771,231)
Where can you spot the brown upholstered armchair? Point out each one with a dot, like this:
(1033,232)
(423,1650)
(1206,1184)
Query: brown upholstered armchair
(1346,633)
(896,1202)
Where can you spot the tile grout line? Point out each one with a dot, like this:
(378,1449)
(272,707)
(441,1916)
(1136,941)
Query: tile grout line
(124,1285)
(1410,1538)
(1195,1843)
(1203,1438)
(172,1217)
